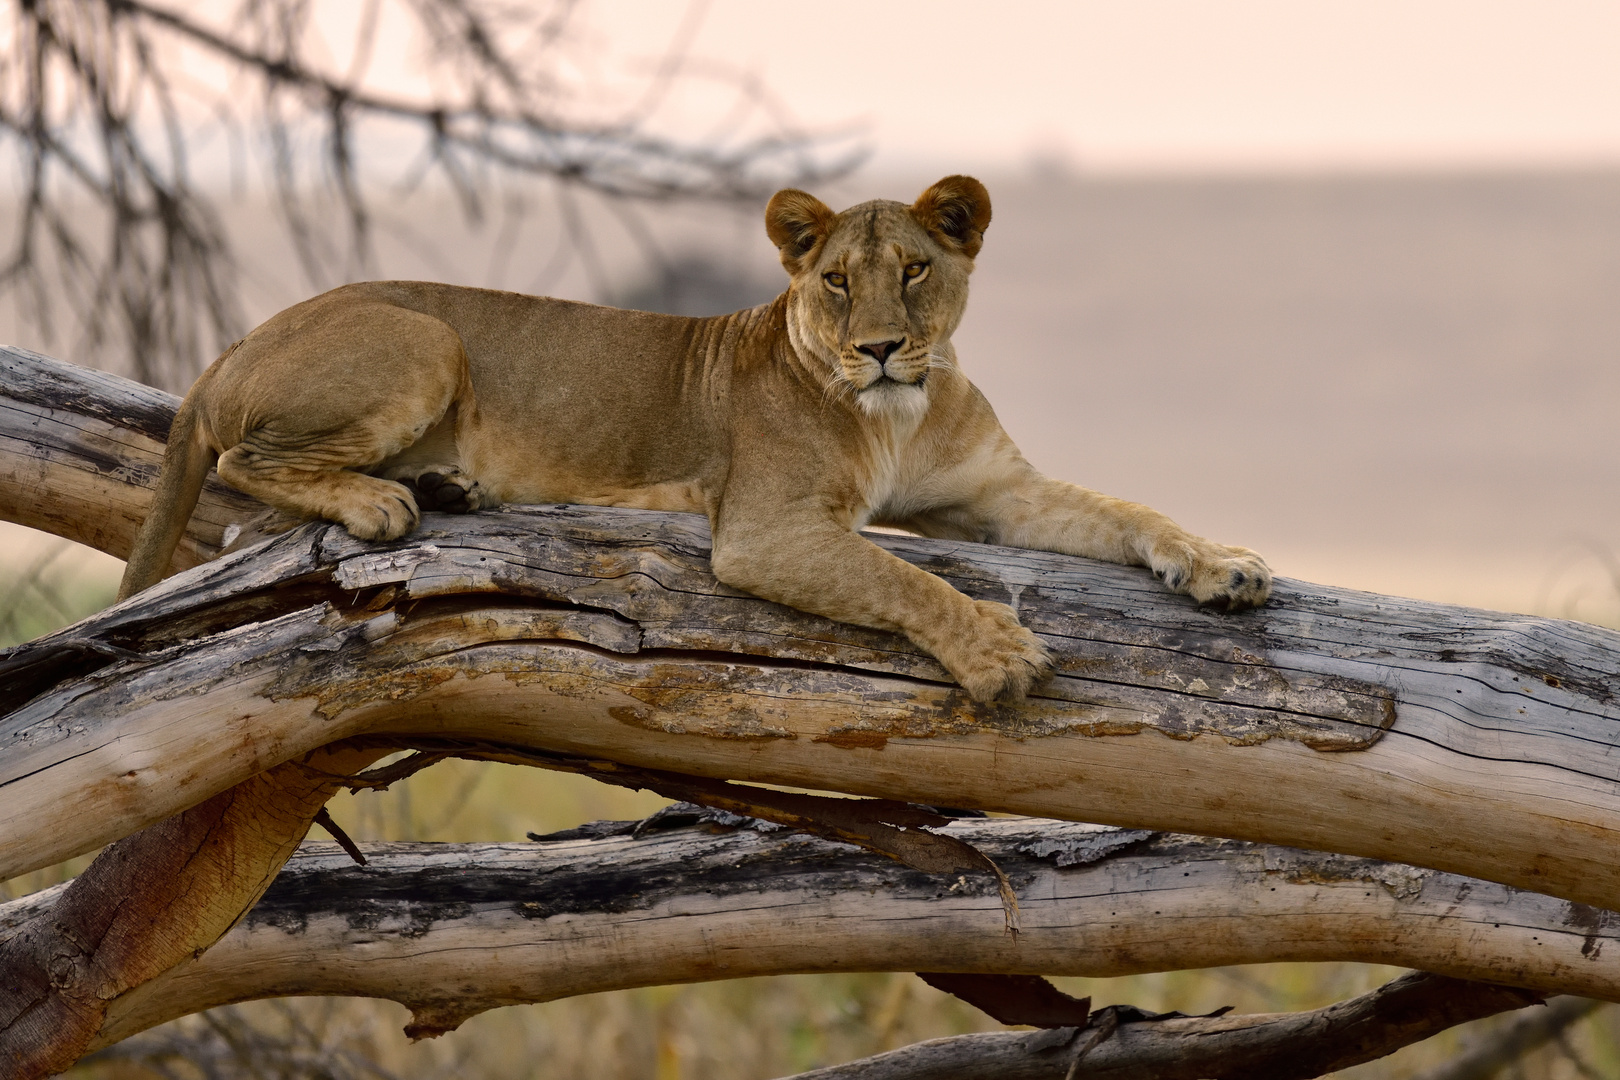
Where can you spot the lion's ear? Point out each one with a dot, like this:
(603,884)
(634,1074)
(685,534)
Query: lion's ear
(797,222)
(957,211)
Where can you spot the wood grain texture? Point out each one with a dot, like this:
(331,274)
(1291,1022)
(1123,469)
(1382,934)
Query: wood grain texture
(453,929)
(1473,742)
(79,450)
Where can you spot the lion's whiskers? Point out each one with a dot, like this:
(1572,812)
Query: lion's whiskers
(836,387)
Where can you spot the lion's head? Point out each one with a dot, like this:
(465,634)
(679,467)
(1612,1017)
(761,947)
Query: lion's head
(878,290)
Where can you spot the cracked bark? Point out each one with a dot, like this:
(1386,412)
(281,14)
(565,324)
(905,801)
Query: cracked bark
(450,930)
(1470,742)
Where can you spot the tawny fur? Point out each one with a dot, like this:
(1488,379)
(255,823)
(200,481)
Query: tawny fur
(791,425)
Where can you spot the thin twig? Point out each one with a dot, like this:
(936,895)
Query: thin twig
(111,225)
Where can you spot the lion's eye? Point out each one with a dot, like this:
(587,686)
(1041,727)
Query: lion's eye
(835,279)
(916,270)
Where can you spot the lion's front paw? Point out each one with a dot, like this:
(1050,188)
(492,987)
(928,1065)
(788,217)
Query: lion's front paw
(449,491)
(1214,574)
(995,657)
(388,515)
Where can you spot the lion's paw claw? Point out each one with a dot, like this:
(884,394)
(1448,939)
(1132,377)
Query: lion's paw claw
(997,658)
(389,517)
(1215,575)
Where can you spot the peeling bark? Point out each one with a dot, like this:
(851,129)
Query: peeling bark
(148,902)
(453,930)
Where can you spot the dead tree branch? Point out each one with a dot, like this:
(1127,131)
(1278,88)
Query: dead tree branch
(110,103)
(453,930)
(1287,1046)
(146,903)
(1495,1052)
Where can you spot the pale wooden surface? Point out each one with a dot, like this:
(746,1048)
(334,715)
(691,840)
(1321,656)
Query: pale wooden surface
(451,930)
(1469,741)
(79,450)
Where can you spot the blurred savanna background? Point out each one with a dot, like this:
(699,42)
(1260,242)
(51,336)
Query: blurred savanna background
(1337,281)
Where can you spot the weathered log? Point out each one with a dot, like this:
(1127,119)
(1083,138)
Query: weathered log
(1327,720)
(1472,742)
(1285,1046)
(452,930)
(79,453)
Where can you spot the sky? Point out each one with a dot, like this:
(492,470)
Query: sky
(1122,86)
(1175,85)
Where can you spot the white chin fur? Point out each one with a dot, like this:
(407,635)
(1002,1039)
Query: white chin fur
(893,401)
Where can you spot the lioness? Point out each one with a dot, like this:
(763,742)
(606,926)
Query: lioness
(791,425)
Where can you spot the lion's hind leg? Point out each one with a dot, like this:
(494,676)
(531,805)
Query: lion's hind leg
(317,479)
(448,490)
(326,395)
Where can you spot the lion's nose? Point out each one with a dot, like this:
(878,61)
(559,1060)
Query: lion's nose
(880,350)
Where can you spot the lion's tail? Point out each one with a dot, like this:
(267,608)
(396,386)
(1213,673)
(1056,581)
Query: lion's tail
(186,462)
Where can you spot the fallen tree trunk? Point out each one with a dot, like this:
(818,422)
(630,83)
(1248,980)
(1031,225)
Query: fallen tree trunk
(1476,743)
(453,930)
(1465,741)
(1331,719)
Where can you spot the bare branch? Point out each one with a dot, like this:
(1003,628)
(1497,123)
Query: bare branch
(452,930)
(1494,1052)
(1288,1046)
(112,220)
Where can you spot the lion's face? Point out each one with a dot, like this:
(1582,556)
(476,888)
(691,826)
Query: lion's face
(878,290)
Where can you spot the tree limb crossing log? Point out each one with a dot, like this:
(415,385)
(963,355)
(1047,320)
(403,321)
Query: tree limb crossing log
(453,930)
(1286,1046)
(1472,742)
